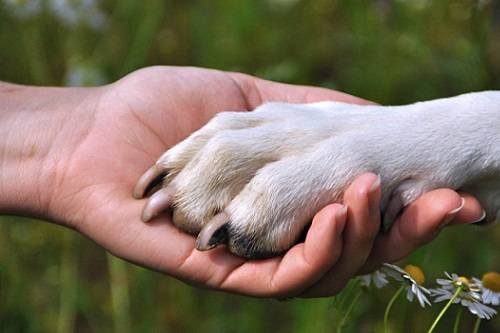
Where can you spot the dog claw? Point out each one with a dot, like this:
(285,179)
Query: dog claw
(393,210)
(148,180)
(159,201)
(213,233)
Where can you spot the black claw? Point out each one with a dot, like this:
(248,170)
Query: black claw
(392,212)
(149,181)
(155,184)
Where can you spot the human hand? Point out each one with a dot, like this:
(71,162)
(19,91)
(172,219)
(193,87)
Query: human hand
(92,144)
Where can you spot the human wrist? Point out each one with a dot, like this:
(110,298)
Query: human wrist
(33,124)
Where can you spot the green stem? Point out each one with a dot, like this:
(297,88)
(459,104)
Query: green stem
(349,310)
(457,321)
(388,308)
(476,325)
(441,314)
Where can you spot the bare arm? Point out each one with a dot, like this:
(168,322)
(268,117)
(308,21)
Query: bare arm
(37,137)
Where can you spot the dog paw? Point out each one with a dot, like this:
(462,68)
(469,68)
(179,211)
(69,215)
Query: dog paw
(254,180)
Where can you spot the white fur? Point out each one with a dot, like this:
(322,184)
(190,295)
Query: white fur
(273,168)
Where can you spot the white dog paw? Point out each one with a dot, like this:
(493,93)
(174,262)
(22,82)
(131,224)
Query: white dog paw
(254,180)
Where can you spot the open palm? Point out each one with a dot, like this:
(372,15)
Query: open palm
(121,129)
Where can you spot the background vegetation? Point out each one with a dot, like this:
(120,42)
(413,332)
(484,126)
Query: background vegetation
(53,280)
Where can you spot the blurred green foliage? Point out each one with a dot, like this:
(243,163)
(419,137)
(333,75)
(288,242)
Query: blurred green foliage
(53,280)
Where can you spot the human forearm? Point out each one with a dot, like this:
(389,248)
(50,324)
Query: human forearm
(34,122)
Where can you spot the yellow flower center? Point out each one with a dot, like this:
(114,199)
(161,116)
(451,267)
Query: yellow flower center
(463,281)
(491,280)
(416,273)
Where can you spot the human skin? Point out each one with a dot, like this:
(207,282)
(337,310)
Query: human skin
(72,156)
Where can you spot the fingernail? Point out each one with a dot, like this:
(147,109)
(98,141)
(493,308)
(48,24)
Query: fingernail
(481,219)
(340,219)
(341,213)
(452,213)
(373,204)
(375,185)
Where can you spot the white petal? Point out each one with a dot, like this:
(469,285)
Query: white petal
(394,271)
(481,310)
(422,300)
(365,280)
(442,298)
(491,297)
(474,295)
(409,294)
(445,283)
(440,292)
(379,279)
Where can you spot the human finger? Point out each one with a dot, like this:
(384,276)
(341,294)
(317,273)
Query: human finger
(363,223)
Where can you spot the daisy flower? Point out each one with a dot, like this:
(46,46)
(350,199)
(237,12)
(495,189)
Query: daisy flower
(490,288)
(453,281)
(378,278)
(413,277)
(461,290)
